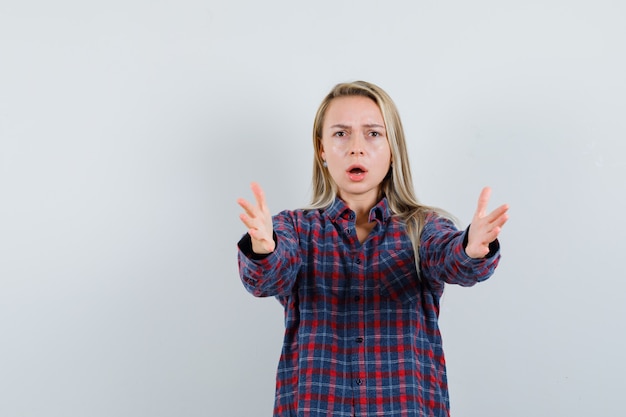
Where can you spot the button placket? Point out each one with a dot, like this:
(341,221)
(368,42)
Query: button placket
(358,287)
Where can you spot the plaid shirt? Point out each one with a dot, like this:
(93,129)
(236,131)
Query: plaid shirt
(361,332)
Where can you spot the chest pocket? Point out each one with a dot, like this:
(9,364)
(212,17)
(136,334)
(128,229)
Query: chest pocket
(397,276)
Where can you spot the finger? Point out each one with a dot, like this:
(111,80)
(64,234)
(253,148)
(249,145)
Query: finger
(259,195)
(495,227)
(501,220)
(253,229)
(491,236)
(483,200)
(497,213)
(248,207)
(247,221)
(486,233)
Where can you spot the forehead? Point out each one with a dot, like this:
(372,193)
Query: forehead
(353,110)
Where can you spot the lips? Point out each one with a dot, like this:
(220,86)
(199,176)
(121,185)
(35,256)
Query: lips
(356,172)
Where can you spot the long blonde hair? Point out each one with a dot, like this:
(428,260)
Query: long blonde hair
(398,186)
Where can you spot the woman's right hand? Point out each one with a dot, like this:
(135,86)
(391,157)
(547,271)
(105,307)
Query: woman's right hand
(258,220)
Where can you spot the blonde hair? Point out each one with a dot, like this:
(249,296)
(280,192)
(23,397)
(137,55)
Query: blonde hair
(397,186)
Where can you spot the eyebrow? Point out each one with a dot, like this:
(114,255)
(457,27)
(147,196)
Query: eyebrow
(370,125)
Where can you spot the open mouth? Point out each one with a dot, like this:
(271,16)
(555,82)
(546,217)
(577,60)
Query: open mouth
(356,172)
(356,169)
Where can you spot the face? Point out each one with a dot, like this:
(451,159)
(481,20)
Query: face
(355,148)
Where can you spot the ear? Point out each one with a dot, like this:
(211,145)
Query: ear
(321,151)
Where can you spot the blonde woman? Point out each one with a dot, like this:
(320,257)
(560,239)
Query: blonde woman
(360,272)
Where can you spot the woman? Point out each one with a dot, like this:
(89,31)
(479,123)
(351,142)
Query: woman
(360,272)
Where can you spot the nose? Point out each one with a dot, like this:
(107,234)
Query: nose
(356,147)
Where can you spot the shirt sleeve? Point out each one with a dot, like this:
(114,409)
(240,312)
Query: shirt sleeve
(273,274)
(443,257)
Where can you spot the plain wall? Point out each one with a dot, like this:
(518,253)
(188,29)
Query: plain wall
(129,128)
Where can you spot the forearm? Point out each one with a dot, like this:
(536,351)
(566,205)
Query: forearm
(443,256)
(270,274)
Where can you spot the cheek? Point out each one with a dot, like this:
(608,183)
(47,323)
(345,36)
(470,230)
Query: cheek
(328,148)
(335,150)
(381,151)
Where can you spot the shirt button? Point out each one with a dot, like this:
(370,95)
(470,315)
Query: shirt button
(359,340)
(358,261)
(347,231)
(357,298)
(351,216)
(359,381)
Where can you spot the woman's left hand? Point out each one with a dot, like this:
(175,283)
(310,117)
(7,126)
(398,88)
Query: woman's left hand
(485,228)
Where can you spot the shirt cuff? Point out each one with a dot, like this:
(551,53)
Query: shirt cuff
(245,245)
(494,246)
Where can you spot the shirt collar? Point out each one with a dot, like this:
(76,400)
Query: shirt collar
(339,209)
(380,211)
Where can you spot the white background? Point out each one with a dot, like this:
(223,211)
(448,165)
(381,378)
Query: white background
(129,128)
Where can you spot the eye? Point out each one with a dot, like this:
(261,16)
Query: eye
(340,134)
(374,134)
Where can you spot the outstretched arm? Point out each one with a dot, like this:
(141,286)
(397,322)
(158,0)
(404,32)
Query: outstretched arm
(485,228)
(275,273)
(258,220)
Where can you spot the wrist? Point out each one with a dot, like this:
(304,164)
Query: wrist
(264,247)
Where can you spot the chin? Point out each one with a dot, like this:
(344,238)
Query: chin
(359,189)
